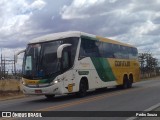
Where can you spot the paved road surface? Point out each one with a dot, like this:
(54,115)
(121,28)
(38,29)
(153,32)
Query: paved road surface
(142,96)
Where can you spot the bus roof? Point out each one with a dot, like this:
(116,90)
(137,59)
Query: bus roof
(61,35)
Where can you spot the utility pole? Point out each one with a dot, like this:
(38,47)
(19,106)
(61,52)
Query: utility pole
(1,66)
(14,62)
(5,63)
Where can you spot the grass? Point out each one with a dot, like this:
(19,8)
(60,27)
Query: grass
(9,87)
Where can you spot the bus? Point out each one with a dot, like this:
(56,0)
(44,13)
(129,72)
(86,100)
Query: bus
(76,62)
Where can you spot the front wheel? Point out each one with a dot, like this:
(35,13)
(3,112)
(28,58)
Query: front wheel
(82,89)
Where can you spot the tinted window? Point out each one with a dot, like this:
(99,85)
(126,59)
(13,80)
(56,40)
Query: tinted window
(49,60)
(108,50)
(124,52)
(72,50)
(95,48)
(133,53)
(90,48)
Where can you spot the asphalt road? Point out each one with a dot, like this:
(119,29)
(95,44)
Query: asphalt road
(142,96)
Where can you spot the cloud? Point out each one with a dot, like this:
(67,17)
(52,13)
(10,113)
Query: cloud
(75,10)
(38,4)
(14,15)
(135,22)
(131,21)
(89,8)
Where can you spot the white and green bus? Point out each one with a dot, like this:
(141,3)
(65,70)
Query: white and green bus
(75,62)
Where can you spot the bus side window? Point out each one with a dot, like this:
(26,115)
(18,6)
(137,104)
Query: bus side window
(130,53)
(89,48)
(82,53)
(134,53)
(108,50)
(125,54)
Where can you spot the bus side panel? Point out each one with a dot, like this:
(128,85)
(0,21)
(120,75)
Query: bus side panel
(85,69)
(120,67)
(100,73)
(68,79)
(106,77)
(105,72)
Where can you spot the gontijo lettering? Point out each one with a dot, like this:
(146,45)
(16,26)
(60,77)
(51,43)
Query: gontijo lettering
(122,63)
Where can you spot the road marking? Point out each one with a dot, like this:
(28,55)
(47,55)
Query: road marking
(153,107)
(149,109)
(88,100)
(7,118)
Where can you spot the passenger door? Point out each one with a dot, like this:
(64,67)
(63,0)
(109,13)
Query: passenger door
(68,73)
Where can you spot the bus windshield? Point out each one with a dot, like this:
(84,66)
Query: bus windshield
(40,60)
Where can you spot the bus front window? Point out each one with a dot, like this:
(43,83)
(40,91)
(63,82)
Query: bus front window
(49,60)
(30,60)
(40,60)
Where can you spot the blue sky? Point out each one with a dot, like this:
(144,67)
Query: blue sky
(136,22)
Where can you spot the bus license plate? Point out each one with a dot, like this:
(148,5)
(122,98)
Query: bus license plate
(38,91)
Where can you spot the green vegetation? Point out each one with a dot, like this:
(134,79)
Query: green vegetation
(148,65)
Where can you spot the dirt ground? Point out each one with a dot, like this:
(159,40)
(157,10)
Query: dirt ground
(9,88)
(9,85)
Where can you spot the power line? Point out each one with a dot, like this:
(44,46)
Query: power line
(4,64)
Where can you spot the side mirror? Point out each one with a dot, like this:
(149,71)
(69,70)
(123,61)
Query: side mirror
(16,55)
(60,49)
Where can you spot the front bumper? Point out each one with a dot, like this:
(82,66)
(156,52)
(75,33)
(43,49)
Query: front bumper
(56,89)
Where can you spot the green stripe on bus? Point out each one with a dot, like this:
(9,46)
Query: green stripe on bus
(103,69)
(43,81)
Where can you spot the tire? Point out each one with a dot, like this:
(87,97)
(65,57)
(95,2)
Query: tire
(49,96)
(129,84)
(82,89)
(125,82)
(130,81)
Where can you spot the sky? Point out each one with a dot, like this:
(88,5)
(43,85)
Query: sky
(136,22)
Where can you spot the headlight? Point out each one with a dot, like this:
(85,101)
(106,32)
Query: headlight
(23,82)
(53,82)
(56,81)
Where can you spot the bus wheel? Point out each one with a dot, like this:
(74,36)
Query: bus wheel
(82,89)
(130,81)
(49,96)
(125,82)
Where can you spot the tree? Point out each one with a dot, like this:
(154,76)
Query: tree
(148,64)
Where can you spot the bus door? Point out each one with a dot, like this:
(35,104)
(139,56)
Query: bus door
(68,73)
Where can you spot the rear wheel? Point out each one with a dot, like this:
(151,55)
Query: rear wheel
(130,81)
(125,82)
(49,96)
